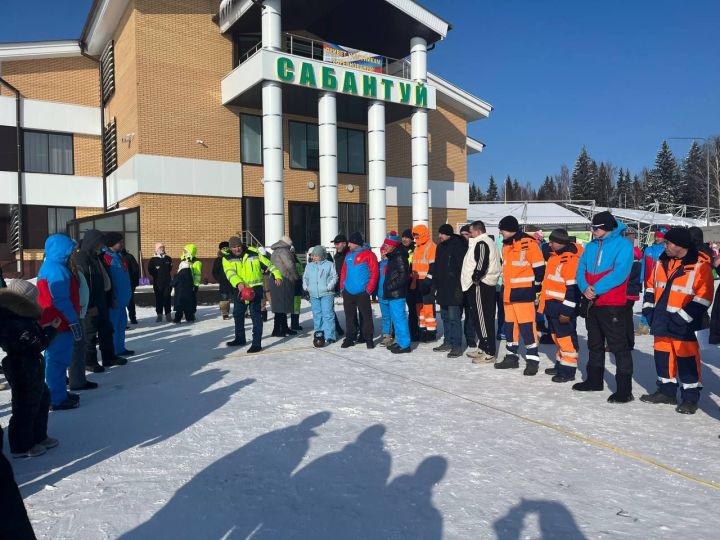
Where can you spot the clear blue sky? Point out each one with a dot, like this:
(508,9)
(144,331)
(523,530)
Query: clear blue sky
(615,75)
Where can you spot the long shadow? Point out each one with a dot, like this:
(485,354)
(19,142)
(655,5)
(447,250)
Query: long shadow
(555,520)
(253,492)
(169,393)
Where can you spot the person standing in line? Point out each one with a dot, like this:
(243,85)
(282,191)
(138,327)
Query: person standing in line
(186,283)
(245,268)
(117,268)
(478,278)
(341,250)
(76,373)
(602,276)
(387,334)
(358,279)
(297,298)
(160,269)
(634,286)
(559,301)
(134,271)
(523,273)
(283,294)
(224,288)
(468,326)
(319,280)
(651,254)
(395,288)
(677,296)
(423,265)
(448,292)
(412,295)
(59,296)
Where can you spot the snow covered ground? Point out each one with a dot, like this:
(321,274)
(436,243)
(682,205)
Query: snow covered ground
(194,440)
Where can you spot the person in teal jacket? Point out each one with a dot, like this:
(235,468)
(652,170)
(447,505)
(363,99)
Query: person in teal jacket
(119,272)
(319,281)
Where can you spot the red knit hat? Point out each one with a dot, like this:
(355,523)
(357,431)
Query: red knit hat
(392,240)
(660,233)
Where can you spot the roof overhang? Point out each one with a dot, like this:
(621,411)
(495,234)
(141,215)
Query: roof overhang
(102,21)
(474,146)
(38,49)
(393,23)
(471,107)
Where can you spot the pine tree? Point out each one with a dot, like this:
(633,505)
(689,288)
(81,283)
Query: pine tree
(473,192)
(516,190)
(547,191)
(694,172)
(638,188)
(659,184)
(492,190)
(583,177)
(508,189)
(623,189)
(603,190)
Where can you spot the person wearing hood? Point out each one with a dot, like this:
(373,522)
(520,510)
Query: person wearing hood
(602,276)
(523,271)
(97,319)
(448,291)
(478,278)
(283,295)
(225,289)
(186,284)
(423,264)
(59,296)
(319,280)
(117,267)
(651,254)
(677,296)
(358,280)
(160,269)
(134,271)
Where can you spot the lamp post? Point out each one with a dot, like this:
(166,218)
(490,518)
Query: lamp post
(707,170)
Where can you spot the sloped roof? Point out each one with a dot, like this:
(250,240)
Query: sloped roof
(526,213)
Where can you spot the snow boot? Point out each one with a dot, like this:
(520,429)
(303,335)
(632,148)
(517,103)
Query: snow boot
(387,340)
(594,381)
(158,318)
(445,347)
(687,407)
(659,397)
(65,405)
(551,371)
(511,361)
(319,339)
(93,367)
(236,343)
(623,394)
(276,331)
(49,443)
(563,378)
(295,322)
(531,368)
(347,343)
(399,350)
(455,353)
(254,349)
(370,344)
(285,328)
(35,451)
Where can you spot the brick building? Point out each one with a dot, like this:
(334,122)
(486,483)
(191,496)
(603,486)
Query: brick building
(192,120)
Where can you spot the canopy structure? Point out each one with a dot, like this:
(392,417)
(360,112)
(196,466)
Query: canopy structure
(538,215)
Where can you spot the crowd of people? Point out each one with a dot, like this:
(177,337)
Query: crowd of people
(84,300)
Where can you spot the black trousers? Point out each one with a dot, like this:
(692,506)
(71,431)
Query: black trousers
(131,306)
(608,324)
(468,325)
(630,324)
(30,401)
(481,305)
(162,298)
(413,322)
(352,303)
(100,325)
(14,522)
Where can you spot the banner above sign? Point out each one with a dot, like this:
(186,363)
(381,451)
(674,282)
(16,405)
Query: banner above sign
(354,58)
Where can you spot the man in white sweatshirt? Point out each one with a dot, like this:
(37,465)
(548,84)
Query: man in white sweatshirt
(480,273)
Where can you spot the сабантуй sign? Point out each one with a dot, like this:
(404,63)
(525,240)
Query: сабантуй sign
(367,85)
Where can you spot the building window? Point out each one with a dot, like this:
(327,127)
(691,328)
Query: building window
(126,222)
(304,146)
(251,151)
(351,151)
(48,152)
(107,72)
(58,219)
(351,218)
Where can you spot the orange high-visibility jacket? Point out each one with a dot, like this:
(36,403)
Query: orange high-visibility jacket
(424,254)
(560,293)
(523,268)
(677,295)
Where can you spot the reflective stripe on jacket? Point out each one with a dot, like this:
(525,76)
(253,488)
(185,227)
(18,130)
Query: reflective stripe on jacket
(523,268)
(560,293)
(248,268)
(423,258)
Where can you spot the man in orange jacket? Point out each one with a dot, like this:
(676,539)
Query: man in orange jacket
(678,292)
(559,299)
(423,264)
(523,273)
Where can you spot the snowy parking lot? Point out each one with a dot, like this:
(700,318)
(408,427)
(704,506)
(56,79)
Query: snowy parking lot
(195,440)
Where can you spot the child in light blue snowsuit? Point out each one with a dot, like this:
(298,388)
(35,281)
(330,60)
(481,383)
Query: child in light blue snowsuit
(120,276)
(319,281)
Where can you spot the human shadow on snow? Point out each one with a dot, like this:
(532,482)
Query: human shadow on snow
(555,521)
(344,494)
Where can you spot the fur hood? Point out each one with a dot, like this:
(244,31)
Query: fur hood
(19,305)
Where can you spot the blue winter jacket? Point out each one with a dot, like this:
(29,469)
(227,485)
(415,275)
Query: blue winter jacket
(606,265)
(320,278)
(55,279)
(651,255)
(359,272)
(119,275)
(381,278)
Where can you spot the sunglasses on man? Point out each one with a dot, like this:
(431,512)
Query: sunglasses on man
(596,227)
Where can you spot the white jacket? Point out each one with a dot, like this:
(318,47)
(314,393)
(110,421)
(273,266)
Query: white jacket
(469,265)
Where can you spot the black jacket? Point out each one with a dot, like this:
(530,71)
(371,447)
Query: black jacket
(88,262)
(133,269)
(446,274)
(397,274)
(160,269)
(20,333)
(218,274)
(339,259)
(185,296)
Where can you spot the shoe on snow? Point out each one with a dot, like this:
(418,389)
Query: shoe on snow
(347,343)
(531,369)
(370,344)
(658,397)
(254,349)
(454,353)
(620,398)
(117,361)
(562,378)
(65,405)
(399,350)
(687,407)
(168,317)
(319,339)
(484,359)
(94,368)
(73,397)
(35,451)
(127,352)
(587,386)
(445,347)
(510,361)
(236,343)
(89,385)
(49,443)
(158,318)
(551,371)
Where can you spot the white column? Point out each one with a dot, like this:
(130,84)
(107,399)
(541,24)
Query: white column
(272,131)
(376,173)
(419,120)
(327,134)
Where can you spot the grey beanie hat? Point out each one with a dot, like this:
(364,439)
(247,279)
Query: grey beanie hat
(23,288)
(318,251)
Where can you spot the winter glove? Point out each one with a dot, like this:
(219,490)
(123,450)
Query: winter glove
(564,319)
(77,332)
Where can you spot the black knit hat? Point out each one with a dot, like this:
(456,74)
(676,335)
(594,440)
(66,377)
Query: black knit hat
(679,236)
(509,224)
(605,221)
(407,233)
(340,238)
(223,244)
(112,238)
(560,236)
(356,238)
(446,229)
(464,228)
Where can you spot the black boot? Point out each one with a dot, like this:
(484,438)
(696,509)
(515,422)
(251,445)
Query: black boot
(594,381)
(430,336)
(511,361)
(531,368)
(264,315)
(276,332)
(295,322)
(623,394)
(286,329)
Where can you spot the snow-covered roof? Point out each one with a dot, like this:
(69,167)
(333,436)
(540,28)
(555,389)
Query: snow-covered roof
(526,213)
(646,216)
